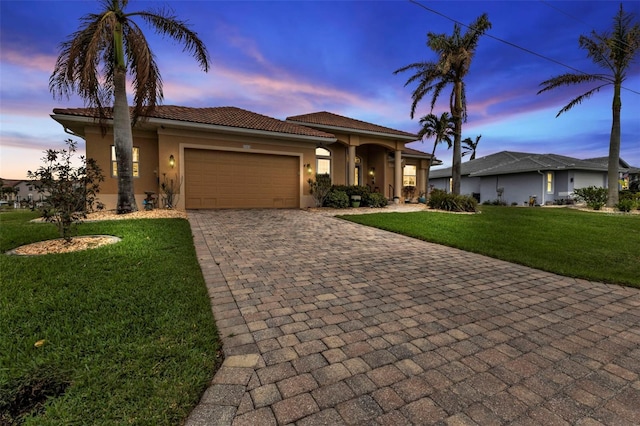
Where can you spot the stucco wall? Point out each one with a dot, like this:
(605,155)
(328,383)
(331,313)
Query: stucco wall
(583,179)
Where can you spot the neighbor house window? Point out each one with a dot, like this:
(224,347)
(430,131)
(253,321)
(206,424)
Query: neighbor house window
(409,176)
(323,161)
(136,162)
(549,182)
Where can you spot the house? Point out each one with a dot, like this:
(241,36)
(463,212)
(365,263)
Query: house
(20,191)
(517,177)
(227,157)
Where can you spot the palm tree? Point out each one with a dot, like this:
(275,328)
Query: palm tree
(455,53)
(470,147)
(94,63)
(442,128)
(613,52)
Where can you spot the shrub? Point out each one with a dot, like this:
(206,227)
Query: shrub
(626,205)
(454,203)
(466,203)
(350,190)
(168,191)
(632,195)
(71,190)
(595,197)
(337,199)
(320,188)
(495,202)
(375,199)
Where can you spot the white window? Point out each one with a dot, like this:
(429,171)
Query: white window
(323,161)
(549,182)
(409,176)
(136,162)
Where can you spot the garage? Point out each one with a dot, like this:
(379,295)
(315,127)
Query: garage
(228,179)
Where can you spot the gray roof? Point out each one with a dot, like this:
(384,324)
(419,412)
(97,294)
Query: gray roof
(510,162)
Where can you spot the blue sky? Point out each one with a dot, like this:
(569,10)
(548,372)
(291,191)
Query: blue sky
(295,57)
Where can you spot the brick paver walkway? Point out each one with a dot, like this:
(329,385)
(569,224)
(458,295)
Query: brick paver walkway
(326,322)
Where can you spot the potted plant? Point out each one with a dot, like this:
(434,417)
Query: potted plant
(355,200)
(408,192)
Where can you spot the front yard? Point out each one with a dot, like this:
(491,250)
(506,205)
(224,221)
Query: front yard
(121,334)
(595,246)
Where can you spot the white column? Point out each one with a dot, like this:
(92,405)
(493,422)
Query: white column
(397,181)
(351,172)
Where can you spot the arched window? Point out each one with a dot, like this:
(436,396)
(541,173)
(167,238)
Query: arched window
(323,161)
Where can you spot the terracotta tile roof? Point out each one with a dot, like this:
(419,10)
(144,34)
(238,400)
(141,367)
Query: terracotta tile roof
(325,118)
(219,116)
(10,183)
(415,153)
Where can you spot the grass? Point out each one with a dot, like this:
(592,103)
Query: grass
(129,337)
(594,246)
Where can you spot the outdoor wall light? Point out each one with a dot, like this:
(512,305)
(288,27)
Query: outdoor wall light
(308,167)
(172,161)
(372,171)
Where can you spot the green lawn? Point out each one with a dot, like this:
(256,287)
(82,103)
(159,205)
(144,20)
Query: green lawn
(595,246)
(128,333)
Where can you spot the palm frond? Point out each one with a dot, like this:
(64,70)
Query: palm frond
(579,99)
(570,79)
(166,23)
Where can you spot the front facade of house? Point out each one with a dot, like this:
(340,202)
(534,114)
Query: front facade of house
(21,191)
(227,157)
(517,177)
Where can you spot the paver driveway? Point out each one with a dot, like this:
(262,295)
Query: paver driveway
(326,322)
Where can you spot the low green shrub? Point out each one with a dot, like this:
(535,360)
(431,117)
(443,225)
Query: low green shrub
(595,197)
(442,200)
(633,196)
(375,199)
(337,199)
(626,205)
(350,190)
(495,202)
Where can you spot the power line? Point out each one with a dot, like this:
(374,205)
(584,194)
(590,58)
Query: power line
(524,49)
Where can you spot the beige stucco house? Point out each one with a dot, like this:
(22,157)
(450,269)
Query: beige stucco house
(227,157)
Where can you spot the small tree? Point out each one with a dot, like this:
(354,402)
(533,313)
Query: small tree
(70,191)
(320,188)
(168,191)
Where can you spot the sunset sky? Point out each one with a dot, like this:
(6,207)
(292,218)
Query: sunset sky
(296,57)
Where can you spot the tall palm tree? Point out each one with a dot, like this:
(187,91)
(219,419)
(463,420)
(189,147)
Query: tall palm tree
(94,63)
(455,53)
(613,52)
(470,147)
(442,128)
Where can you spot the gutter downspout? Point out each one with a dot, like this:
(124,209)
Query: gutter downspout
(543,191)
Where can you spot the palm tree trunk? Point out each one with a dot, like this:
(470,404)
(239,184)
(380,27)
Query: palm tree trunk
(456,112)
(123,142)
(122,133)
(614,149)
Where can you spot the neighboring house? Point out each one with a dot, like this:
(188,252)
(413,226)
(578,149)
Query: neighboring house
(516,177)
(20,190)
(227,157)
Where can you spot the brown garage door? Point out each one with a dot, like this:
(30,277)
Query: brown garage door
(225,180)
